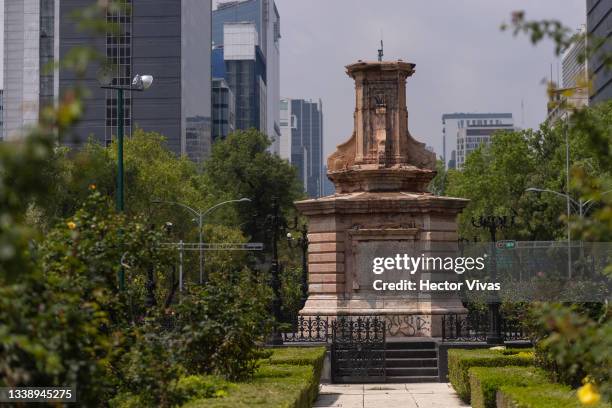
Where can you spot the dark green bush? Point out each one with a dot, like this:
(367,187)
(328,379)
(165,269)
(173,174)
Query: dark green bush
(540,396)
(220,328)
(460,361)
(577,344)
(485,381)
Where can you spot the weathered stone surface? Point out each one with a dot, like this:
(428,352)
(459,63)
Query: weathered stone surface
(381,174)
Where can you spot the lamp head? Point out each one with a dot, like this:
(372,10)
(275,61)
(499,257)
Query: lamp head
(142,81)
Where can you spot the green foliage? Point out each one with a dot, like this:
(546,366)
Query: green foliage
(241,166)
(540,396)
(198,386)
(275,384)
(438,185)
(151,368)
(485,381)
(577,345)
(297,356)
(221,327)
(460,361)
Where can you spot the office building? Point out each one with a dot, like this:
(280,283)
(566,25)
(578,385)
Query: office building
(456,124)
(599,25)
(476,129)
(574,92)
(167,39)
(574,70)
(30,46)
(223,109)
(244,71)
(1,109)
(302,120)
(264,17)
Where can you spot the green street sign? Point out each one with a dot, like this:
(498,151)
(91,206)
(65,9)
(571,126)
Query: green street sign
(507,244)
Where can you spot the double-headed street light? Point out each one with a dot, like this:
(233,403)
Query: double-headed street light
(200,214)
(582,206)
(139,83)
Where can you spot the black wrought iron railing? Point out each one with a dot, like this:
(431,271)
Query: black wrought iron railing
(309,329)
(474,326)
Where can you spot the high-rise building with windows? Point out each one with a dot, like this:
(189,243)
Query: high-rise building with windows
(244,16)
(599,25)
(164,38)
(223,109)
(30,47)
(462,133)
(303,121)
(1,109)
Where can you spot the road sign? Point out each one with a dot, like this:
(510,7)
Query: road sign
(506,244)
(223,246)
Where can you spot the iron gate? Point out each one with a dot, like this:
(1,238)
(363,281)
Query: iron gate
(358,349)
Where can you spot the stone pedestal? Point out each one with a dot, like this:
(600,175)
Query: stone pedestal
(342,225)
(381,207)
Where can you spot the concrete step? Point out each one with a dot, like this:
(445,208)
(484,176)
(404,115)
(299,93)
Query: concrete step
(410,345)
(412,372)
(418,353)
(411,362)
(410,379)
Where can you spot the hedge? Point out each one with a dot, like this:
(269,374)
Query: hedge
(485,381)
(289,378)
(541,396)
(461,360)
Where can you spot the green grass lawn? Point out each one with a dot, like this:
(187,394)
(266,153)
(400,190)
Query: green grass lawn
(288,378)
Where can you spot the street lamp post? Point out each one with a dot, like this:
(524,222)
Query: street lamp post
(493,224)
(139,83)
(302,243)
(275,223)
(200,214)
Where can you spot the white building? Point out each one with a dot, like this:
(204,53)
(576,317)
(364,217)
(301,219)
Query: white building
(462,133)
(30,44)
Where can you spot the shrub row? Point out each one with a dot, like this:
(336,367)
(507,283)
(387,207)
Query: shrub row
(289,378)
(460,361)
(486,381)
(549,395)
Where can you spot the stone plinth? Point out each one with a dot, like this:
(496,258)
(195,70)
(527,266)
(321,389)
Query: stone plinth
(342,224)
(381,206)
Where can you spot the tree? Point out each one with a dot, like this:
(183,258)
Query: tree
(242,166)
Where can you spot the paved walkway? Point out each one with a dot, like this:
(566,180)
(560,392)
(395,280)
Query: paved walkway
(416,395)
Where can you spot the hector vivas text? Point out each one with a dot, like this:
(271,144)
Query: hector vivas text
(411,265)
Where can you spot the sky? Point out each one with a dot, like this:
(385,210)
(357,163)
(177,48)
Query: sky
(464,63)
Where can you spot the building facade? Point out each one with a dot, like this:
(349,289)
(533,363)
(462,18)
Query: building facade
(303,120)
(223,109)
(30,48)
(265,18)
(574,65)
(574,92)
(462,133)
(164,38)
(599,25)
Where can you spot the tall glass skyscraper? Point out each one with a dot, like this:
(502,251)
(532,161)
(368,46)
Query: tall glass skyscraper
(302,124)
(265,19)
(167,39)
(599,25)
